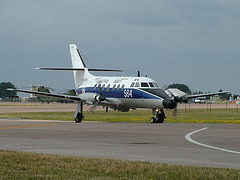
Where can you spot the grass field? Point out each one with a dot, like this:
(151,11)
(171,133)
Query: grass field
(19,165)
(184,116)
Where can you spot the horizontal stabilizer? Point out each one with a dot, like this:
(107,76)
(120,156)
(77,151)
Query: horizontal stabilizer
(80,69)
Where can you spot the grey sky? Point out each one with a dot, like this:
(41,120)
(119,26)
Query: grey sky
(192,42)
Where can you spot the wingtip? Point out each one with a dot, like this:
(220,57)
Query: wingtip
(10,89)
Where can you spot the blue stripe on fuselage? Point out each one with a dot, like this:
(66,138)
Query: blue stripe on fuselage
(121,93)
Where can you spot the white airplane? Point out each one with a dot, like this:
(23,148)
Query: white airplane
(118,93)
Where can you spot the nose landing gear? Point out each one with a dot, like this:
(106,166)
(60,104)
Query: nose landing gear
(78,116)
(159,116)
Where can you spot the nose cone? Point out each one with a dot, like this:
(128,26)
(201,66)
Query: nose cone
(169,103)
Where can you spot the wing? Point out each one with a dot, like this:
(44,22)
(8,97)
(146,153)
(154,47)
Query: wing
(183,97)
(61,96)
(207,94)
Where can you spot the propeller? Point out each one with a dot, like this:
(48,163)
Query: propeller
(176,96)
(98,98)
(178,100)
(174,115)
(165,87)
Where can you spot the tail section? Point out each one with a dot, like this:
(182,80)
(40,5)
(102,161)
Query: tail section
(77,62)
(80,71)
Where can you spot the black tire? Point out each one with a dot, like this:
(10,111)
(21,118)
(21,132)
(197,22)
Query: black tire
(160,121)
(79,118)
(153,120)
(160,118)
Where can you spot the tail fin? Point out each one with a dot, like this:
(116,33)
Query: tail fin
(80,71)
(77,62)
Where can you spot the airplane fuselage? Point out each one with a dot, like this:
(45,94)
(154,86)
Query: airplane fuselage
(122,93)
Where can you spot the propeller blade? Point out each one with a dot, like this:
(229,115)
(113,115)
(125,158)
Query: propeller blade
(175,112)
(93,108)
(165,87)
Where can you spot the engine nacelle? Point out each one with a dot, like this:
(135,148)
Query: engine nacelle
(169,103)
(99,98)
(90,97)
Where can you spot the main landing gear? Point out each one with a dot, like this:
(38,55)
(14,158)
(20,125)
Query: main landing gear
(78,116)
(159,116)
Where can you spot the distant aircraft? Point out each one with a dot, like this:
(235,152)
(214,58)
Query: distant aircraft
(118,93)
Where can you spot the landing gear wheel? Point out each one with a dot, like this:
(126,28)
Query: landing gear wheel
(153,120)
(160,121)
(160,118)
(79,118)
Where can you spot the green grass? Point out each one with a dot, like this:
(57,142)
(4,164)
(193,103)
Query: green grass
(20,165)
(184,116)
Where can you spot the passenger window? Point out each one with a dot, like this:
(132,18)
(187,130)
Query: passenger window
(118,87)
(137,84)
(103,87)
(122,87)
(114,87)
(144,85)
(132,85)
(108,87)
(95,87)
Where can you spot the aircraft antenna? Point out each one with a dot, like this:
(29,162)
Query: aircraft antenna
(138,73)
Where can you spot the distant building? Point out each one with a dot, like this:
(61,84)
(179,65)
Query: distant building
(215,98)
(238,98)
(11,99)
(38,89)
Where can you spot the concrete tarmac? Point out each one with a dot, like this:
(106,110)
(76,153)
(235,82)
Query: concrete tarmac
(163,143)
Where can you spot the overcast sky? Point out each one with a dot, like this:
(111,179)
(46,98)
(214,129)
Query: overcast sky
(192,42)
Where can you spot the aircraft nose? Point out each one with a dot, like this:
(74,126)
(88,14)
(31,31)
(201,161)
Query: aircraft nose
(169,103)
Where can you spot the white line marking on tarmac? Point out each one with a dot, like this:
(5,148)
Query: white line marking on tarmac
(188,137)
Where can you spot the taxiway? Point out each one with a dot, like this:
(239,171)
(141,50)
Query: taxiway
(163,143)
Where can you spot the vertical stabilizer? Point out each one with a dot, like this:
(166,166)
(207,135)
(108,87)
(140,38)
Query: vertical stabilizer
(77,62)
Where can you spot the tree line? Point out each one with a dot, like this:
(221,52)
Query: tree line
(4,92)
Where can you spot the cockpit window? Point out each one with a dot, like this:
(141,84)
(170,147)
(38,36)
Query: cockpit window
(155,84)
(144,84)
(151,84)
(137,84)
